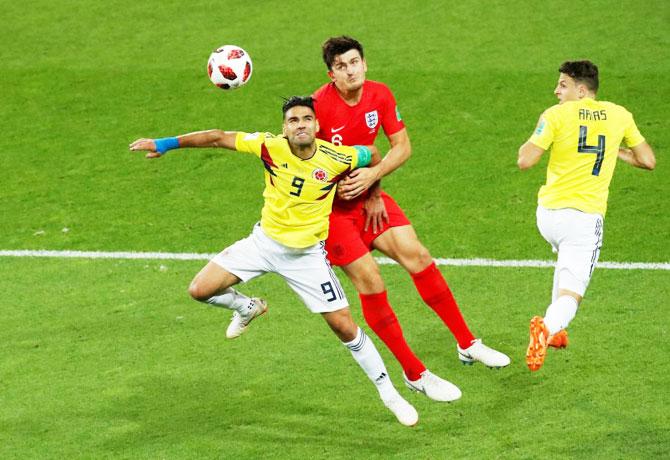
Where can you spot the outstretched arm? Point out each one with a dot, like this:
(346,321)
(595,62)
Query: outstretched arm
(362,179)
(640,156)
(209,138)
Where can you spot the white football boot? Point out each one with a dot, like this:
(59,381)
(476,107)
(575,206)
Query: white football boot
(403,411)
(240,322)
(480,352)
(436,388)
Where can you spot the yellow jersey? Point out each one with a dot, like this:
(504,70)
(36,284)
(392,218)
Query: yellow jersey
(299,193)
(584,136)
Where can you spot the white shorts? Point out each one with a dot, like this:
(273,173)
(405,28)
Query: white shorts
(306,270)
(577,238)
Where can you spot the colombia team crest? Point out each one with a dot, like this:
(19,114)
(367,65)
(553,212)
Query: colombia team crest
(320,175)
(371,119)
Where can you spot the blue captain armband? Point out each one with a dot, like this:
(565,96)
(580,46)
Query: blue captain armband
(364,155)
(166,143)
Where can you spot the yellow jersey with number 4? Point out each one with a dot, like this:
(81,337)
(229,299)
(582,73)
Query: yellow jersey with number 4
(584,136)
(299,193)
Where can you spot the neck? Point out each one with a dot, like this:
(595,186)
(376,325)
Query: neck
(351,97)
(304,152)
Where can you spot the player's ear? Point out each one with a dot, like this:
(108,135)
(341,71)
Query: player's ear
(331,75)
(316,126)
(581,90)
(365,65)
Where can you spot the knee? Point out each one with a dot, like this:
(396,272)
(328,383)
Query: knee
(346,331)
(369,281)
(343,326)
(423,257)
(416,258)
(197,291)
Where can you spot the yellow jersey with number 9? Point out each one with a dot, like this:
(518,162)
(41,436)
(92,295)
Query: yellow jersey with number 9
(299,193)
(584,136)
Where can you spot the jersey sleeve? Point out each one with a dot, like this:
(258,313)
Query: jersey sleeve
(391,119)
(543,136)
(631,134)
(251,142)
(357,156)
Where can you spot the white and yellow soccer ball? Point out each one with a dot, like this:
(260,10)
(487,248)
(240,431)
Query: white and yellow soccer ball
(229,67)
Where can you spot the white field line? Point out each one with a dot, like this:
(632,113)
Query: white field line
(381,260)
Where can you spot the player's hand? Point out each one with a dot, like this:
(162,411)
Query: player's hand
(375,214)
(145,144)
(357,182)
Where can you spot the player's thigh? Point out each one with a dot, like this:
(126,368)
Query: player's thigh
(574,268)
(396,218)
(313,279)
(345,244)
(578,251)
(210,281)
(546,224)
(365,275)
(243,260)
(402,245)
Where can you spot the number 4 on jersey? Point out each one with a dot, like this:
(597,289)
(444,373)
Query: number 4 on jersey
(599,150)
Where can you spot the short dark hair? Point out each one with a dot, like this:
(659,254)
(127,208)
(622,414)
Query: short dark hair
(339,45)
(585,72)
(297,101)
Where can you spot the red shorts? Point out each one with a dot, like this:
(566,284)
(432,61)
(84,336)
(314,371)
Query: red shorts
(347,241)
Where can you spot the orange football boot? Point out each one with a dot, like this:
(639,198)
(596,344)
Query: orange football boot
(559,340)
(537,347)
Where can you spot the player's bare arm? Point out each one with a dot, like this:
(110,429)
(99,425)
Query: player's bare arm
(208,138)
(529,155)
(375,210)
(360,180)
(376,155)
(641,156)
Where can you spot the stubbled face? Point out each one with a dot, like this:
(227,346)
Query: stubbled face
(348,71)
(300,126)
(567,89)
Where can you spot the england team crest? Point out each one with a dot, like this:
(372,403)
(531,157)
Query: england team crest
(371,119)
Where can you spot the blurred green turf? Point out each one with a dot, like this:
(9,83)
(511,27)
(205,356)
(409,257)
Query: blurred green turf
(471,80)
(111,359)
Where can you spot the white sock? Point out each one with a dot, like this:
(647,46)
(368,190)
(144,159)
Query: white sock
(554,288)
(366,355)
(560,313)
(232,300)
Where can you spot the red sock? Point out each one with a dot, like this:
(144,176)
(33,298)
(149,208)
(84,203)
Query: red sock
(436,293)
(382,320)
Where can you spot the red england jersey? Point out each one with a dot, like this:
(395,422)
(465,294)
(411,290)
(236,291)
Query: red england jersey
(343,124)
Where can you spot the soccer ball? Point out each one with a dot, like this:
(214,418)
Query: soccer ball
(229,67)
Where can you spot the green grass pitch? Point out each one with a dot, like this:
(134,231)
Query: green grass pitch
(111,359)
